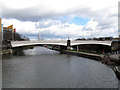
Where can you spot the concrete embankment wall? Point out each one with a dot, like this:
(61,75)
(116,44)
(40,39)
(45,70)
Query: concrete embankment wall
(6,47)
(102,58)
(91,56)
(7,51)
(116,46)
(115,60)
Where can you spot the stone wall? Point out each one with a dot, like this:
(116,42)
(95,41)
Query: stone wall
(116,46)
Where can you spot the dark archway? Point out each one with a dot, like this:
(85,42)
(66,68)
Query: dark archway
(97,48)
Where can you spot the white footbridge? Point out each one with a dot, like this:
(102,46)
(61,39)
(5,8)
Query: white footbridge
(57,42)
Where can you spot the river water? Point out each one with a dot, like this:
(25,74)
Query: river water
(43,68)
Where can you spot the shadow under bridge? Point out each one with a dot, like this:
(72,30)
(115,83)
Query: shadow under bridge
(95,48)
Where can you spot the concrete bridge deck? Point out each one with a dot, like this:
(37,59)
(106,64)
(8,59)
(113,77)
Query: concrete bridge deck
(58,42)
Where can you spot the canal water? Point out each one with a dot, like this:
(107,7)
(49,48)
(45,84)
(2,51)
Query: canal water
(43,68)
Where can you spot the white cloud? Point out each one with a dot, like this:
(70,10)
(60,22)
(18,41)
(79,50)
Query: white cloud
(91,25)
(59,5)
(21,27)
(28,16)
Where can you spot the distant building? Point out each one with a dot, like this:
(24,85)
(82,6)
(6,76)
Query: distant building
(8,33)
(1,30)
(115,39)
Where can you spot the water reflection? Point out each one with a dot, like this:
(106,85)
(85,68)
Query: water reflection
(39,51)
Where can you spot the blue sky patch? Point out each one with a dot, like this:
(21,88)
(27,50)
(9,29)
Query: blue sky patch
(75,20)
(79,21)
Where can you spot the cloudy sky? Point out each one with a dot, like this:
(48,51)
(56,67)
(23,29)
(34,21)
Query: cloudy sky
(59,19)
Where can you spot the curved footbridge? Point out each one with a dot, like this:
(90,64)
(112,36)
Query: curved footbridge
(58,42)
(86,45)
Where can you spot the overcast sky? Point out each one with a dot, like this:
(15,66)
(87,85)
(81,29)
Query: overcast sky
(59,19)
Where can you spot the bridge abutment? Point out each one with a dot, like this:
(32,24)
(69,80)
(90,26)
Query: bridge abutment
(115,46)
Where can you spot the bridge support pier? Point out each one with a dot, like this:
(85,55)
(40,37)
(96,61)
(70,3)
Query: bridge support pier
(68,44)
(77,48)
(63,48)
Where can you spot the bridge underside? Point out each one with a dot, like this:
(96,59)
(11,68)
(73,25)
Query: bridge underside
(97,48)
(51,46)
